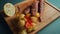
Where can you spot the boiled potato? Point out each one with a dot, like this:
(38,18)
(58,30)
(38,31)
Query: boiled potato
(37,14)
(34,26)
(30,29)
(21,23)
(23,32)
(22,16)
(34,19)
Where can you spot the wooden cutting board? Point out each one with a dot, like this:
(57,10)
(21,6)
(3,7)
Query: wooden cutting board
(47,17)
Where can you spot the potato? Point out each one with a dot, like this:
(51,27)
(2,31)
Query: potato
(30,29)
(22,16)
(34,19)
(34,26)
(23,32)
(21,23)
(37,14)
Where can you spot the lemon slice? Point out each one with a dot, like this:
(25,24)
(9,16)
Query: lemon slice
(9,9)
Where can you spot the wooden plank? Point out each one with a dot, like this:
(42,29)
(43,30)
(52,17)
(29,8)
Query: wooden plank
(52,5)
(49,15)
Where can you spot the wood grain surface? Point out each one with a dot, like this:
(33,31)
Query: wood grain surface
(47,17)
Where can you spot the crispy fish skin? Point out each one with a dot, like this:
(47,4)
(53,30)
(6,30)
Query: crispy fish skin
(34,8)
(24,4)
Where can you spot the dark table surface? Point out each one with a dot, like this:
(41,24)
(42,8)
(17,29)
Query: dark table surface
(4,29)
(53,28)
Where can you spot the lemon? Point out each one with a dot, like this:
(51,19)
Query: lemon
(9,9)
